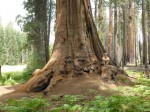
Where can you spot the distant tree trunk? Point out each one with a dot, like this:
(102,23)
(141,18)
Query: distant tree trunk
(128,31)
(124,37)
(144,35)
(136,36)
(95,13)
(135,45)
(148,19)
(140,52)
(49,24)
(115,30)
(100,14)
(0,71)
(102,24)
(77,49)
(131,32)
(40,47)
(110,34)
(119,36)
(45,23)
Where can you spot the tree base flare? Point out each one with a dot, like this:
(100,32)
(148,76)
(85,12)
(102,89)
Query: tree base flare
(77,51)
(54,84)
(115,75)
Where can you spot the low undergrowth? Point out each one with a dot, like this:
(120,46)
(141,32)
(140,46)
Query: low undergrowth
(70,103)
(12,78)
(128,99)
(24,105)
(133,72)
(114,103)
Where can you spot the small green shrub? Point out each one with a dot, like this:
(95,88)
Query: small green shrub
(143,81)
(9,82)
(137,73)
(12,78)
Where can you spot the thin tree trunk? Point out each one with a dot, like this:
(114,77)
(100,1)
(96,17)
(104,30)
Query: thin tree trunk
(136,36)
(132,32)
(115,30)
(100,15)
(39,35)
(46,31)
(135,47)
(144,35)
(140,52)
(124,37)
(95,13)
(49,21)
(128,32)
(0,71)
(110,29)
(148,18)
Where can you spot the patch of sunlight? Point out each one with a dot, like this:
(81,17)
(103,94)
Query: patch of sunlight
(14,68)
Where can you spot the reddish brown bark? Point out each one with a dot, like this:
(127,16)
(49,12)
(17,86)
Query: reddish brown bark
(131,32)
(77,49)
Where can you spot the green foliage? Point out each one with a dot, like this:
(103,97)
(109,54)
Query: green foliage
(115,103)
(137,90)
(25,105)
(134,72)
(12,78)
(35,62)
(69,103)
(129,99)
(11,46)
(36,24)
(143,81)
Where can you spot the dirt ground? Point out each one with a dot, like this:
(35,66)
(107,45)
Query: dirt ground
(82,85)
(7,92)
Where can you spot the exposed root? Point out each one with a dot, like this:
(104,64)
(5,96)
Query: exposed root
(53,82)
(115,75)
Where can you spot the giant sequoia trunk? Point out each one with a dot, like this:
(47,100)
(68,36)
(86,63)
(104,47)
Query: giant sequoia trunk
(77,49)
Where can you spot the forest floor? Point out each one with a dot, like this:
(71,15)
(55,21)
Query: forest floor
(71,87)
(83,85)
(84,92)
(139,68)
